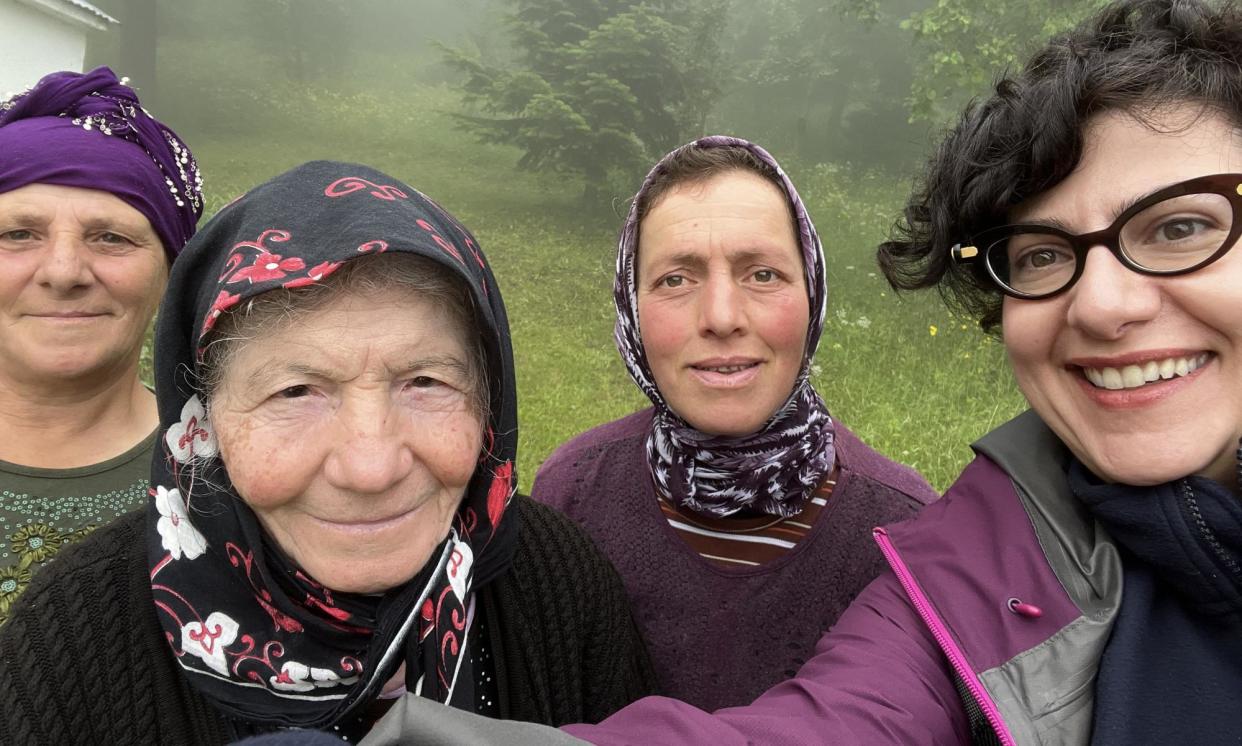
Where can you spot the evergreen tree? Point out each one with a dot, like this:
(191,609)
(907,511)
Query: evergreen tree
(597,87)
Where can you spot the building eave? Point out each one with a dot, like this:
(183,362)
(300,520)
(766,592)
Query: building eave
(76,12)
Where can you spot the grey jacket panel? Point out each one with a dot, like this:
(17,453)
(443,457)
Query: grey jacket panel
(418,720)
(1046,694)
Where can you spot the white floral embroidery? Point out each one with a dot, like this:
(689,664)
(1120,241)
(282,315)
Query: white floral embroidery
(298,677)
(459,564)
(178,535)
(208,639)
(193,436)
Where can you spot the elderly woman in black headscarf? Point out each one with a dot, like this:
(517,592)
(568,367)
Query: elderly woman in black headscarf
(333,519)
(96,199)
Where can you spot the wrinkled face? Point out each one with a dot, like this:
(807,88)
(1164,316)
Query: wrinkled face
(350,433)
(81,274)
(1119,327)
(722,301)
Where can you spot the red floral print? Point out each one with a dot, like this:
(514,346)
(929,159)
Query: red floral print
(498,493)
(351,184)
(316,273)
(224,301)
(448,247)
(267,266)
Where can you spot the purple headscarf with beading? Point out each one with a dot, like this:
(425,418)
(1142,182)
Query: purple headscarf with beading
(88,130)
(772,470)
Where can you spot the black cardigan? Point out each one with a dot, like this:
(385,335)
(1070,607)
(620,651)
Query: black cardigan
(83,658)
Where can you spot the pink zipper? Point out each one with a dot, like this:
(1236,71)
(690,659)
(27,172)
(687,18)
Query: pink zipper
(939,631)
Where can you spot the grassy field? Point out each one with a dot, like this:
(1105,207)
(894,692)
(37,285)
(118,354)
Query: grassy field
(914,382)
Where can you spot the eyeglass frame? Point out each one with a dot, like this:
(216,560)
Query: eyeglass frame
(1227,185)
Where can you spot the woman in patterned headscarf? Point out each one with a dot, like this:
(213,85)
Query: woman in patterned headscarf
(737,510)
(96,198)
(332,520)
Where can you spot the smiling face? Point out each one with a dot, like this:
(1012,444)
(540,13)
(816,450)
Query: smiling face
(352,432)
(81,274)
(1093,361)
(722,301)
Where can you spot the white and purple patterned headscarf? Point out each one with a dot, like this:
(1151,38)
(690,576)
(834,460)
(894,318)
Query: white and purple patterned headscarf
(772,470)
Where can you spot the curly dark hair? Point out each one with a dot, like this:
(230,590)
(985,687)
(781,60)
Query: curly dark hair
(1134,56)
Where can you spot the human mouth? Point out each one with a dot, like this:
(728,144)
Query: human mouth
(726,372)
(67,315)
(366,525)
(1138,375)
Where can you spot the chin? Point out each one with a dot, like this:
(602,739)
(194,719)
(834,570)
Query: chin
(1143,472)
(366,575)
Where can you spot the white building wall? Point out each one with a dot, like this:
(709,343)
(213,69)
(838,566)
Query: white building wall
(35,44)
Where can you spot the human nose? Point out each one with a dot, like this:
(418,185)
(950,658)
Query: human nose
(63,266)
(370,455)
(1109,297)
(720,308)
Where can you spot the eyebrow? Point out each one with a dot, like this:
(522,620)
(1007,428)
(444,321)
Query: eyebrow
(269,373)
(132,228)
(1122,208)
(100,223)
(696,260)
(25,217)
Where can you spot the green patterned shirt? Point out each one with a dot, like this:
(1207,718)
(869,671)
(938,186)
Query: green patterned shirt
(43,510)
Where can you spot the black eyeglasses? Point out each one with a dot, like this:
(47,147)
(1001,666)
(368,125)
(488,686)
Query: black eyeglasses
(1174,231)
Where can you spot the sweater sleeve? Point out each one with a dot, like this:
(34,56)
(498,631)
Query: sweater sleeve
(83,660)
(876,677)
(577,654)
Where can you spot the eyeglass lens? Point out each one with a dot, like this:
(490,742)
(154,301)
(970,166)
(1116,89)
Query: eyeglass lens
(1174,234)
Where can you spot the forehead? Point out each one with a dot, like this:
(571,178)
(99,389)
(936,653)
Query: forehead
(52,201)
(1126,157)
(734,207)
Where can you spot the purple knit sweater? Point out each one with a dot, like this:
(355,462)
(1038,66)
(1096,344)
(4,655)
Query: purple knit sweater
(721,636)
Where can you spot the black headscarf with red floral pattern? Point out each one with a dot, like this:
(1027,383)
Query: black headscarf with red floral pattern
(251,631)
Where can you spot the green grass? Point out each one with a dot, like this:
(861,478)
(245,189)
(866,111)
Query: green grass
(916,383)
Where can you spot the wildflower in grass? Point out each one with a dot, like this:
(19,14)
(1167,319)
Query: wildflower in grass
(931,329)
(863,322)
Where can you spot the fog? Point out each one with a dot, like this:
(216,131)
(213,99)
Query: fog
(858,82)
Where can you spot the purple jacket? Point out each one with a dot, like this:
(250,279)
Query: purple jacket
(1005,586)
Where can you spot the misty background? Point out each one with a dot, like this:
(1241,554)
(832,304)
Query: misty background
(534,120)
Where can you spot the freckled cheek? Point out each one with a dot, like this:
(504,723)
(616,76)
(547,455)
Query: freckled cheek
(264,473)
(450,450)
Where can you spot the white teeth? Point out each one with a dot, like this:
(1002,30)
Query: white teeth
(1134,376)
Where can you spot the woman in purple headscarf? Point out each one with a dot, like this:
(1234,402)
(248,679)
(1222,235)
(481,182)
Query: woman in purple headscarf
(736,509)
(96,198)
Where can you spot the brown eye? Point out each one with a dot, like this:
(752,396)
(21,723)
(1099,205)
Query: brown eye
(1179,230)
(294,392)
(765,275)
(673,281)
(1041,259)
